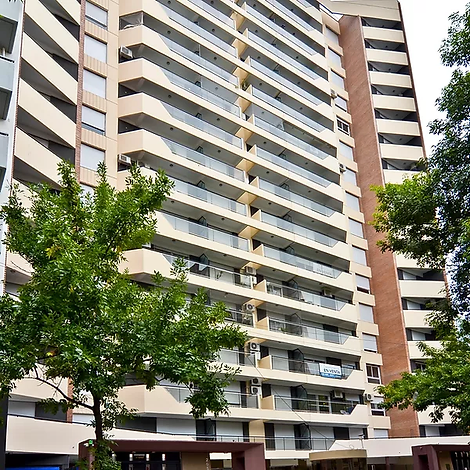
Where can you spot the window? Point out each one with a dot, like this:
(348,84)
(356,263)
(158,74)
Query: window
(205,430)
(381,433)
(355,228)
(334,58)
(343,126)
(90,157)
(373,374)
(95,48)
(352,202)
(359,256)
(94,83)
(93,120)
(338,80)
(369,342)
(331,35)
(341,103)
(346,151)
(350,176)
(96,14)
(366,313)
(363,284)
(375,407)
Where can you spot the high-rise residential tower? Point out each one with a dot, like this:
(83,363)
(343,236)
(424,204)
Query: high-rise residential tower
(273,118)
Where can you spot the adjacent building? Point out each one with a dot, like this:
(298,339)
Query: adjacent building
(273,118)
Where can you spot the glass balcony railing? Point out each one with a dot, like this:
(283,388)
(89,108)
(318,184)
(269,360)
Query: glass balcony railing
(288,110)
(285,136)
(207,196)
(205,161)
(218,274)
(214,12)
(243,318)
(198,60)
(303,295)
(229,356)
(183,21)
(315,406)
(202,93)
(303,367)
(297,229)
(283,163)
(207,233)
(296,198)
(282,55)
(305,331)
(235,399)
(197,123)
(301,263)
(284,81)
(279,6)
(282,32)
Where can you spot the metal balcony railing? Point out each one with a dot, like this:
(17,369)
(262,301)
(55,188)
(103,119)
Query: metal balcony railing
(315,406)
(207,233)
(299,329)
(303,295)
(303,367)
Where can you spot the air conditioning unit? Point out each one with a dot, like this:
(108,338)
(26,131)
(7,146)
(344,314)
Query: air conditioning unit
(124,159)
(254,347)
(368,397)
(255,390)
(342,168)
(326,293)
(125,53)
(250,271)
(248,308)
(255,382)
(337,394)
(334,94)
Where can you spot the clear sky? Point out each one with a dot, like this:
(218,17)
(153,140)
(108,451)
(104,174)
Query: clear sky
(426,23)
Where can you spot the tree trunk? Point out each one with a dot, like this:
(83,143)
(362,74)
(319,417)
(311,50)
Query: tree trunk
(101,448)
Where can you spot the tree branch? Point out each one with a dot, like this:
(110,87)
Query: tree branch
(57,389)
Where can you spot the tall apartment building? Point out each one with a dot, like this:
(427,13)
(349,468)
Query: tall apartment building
(273,118)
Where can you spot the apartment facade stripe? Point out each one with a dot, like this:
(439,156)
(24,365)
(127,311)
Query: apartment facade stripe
(272,117)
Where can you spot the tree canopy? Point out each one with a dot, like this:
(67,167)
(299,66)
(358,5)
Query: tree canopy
(427,218)
(82,319)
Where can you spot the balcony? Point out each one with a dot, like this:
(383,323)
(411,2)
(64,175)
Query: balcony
(301,263)
(221,275)
(290,86)
(201,32)
(229,356)
(326,406)
(200,61)
(204,160)
(207,196)
(305,331)
(213,12)
(304,367)
(197,123)
(202,93)
(283,56)
(287,137)
(281,32)
(242,318)
(300,22)
(10,12)
(4,139)
(7,73)
(304,295)
(288,110)
(425,289)
(297,229)
(207,233)
(295,198)
(235,399)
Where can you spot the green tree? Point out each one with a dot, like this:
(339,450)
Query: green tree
(80,318)
(427,218)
